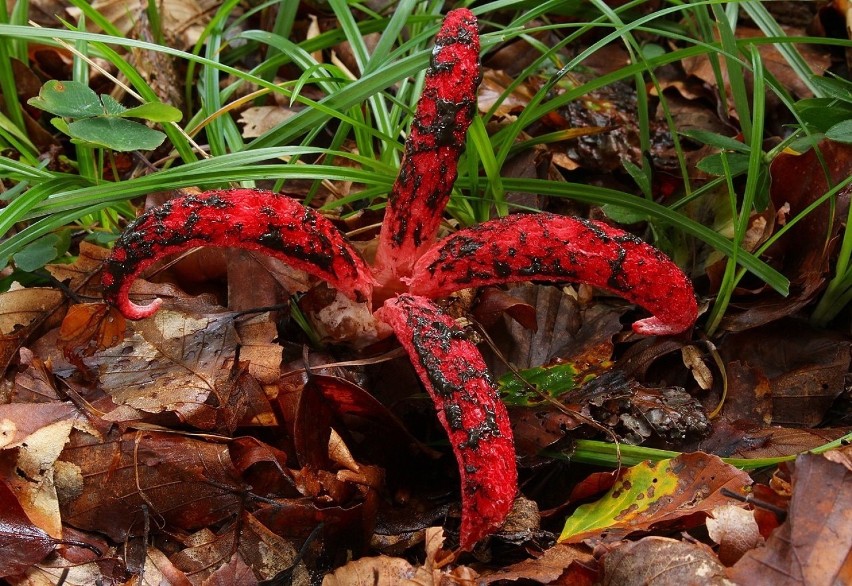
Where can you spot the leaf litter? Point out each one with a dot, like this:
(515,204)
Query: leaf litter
(140,444)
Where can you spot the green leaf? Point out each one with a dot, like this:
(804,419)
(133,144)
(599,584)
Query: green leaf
(712,165)
(834,87)
(714,139)
(651,50)
(640,176)
(117,134)
(61,124)
(69,99)
(38,253)
(112,107)
(761,194)
(154,112)
(622,215)
(841,132)
(633,493)
(804,144)
(823,113)
(552,380)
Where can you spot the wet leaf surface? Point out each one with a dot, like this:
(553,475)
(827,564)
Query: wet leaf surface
(814,544)
(22,543)
(671,493)
(173,362)
(126,480)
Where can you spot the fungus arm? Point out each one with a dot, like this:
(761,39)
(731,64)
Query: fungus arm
(245,218)
(437,137)
(546,247)
(454,374)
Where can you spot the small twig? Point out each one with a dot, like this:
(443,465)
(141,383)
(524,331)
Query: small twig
(285,576)
(760,504)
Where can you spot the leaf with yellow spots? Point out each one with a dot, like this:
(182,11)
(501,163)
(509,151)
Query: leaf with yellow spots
(674,494)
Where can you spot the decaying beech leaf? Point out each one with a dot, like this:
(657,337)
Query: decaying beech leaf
(794,378)
(182,481)
(258,348)
(562,563)
(260,119)
(78,275)
(88,328)
(814,544)
(679,492)
(660,561)
(20,307)
(735,530)
(36,435)
(35,383)
(23,544)
(173,362)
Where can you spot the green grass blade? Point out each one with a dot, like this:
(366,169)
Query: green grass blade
(770,27)
(607,454)
(479,141)
(8,85)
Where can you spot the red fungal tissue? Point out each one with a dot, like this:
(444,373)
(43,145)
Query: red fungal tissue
(412,268)
(454,373)
(243,218)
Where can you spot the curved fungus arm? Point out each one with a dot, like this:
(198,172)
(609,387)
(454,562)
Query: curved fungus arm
(546,247)
(437,138)
(454,373)
(244,218)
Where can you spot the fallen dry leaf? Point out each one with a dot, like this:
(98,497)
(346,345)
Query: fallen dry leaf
(258,348)
(735,530)
(183,22)
(160,570)
(790,380)
(816,59)
(172,362)
(205,552)
(797,182)
(100,572)
(233,573)
(392,571)
(29,467)
(20,307)
(813,546)
(182,481)
(257,120)
(563,330)
(241,402)
(23,544)
(680,492)
(560,564)
(270,554)
(79,275)
(18,421)
(494,84)
(372,571)
(88,328)
(660,561)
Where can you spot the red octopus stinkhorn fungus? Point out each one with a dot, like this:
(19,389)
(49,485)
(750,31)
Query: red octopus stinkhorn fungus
(411,268)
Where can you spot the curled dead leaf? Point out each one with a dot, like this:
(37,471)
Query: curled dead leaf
(735,530)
